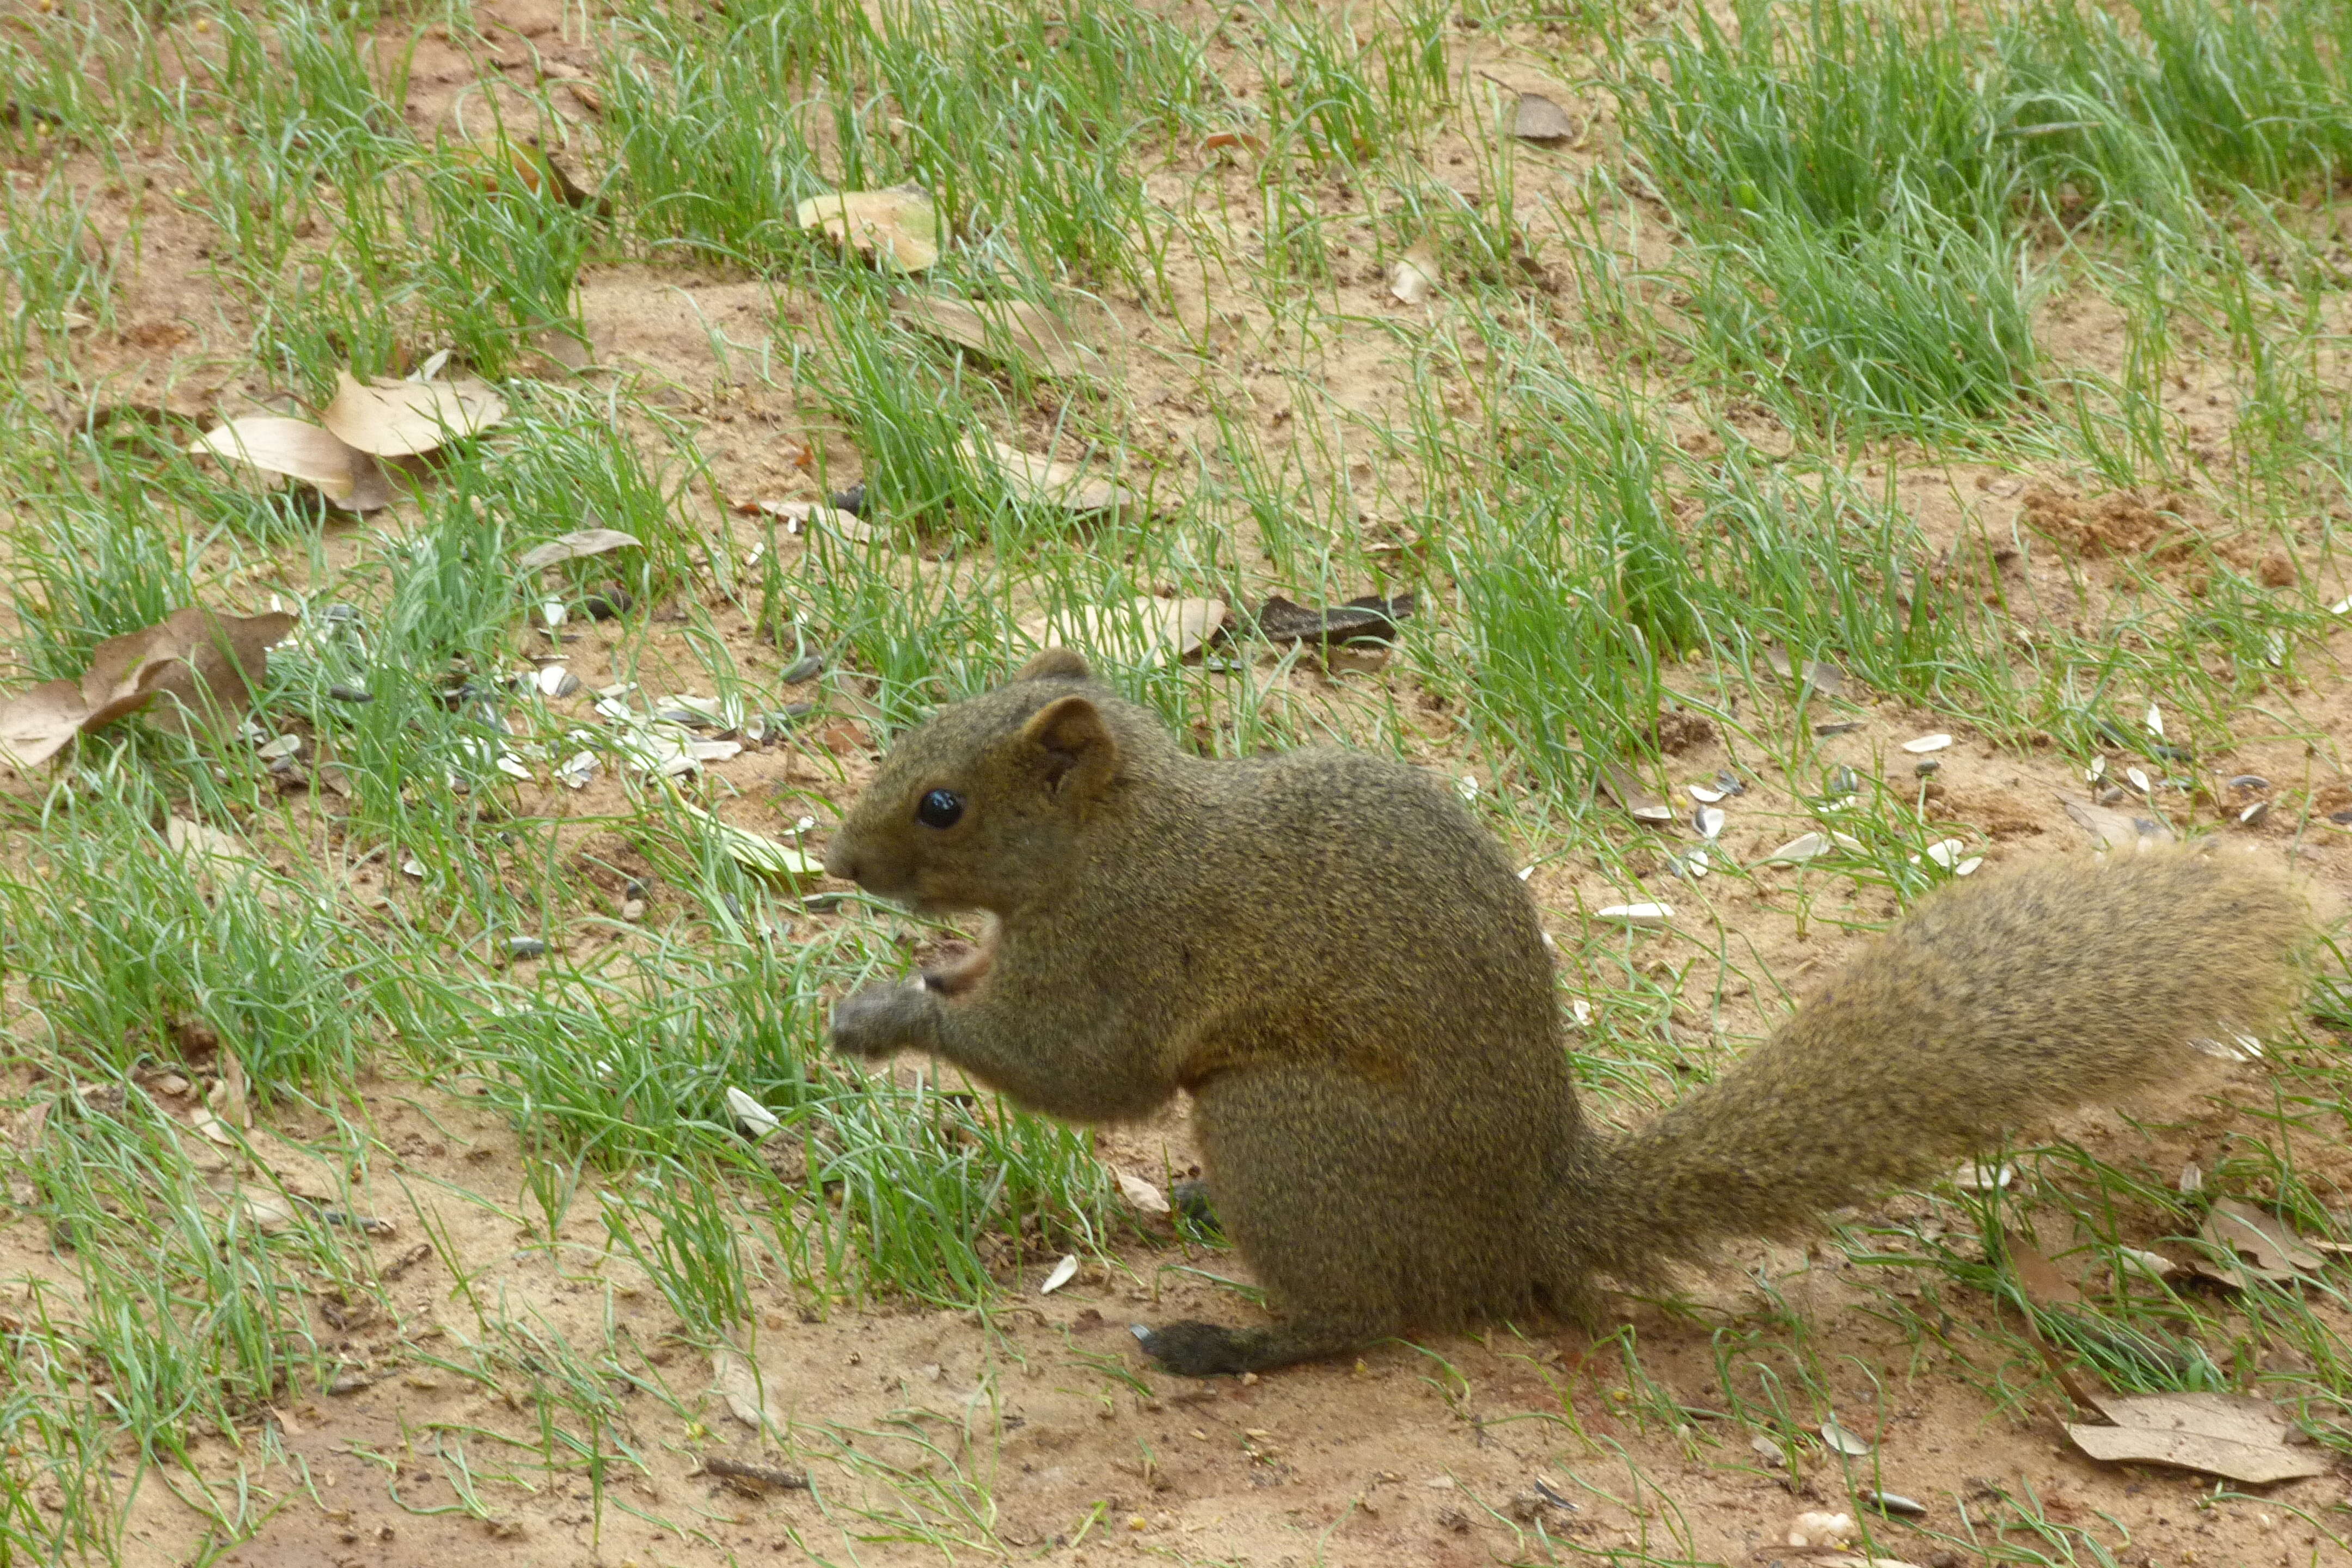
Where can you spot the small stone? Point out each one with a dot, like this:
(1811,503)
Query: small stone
(632,910)
(1927,765)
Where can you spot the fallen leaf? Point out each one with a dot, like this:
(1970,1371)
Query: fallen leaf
(1146,1196)
(1413,277)
(900,225)
(206,661)
(205,1122)
(2232,1435)
(1535,118)
(1824,676)
(1843,1441)
(747,1393)
(1042,481)
(402,418)
(999,328)
(571,546)
(2039,1278)
(2252,1243)
(1141,631)
(300,451)
(1281,620)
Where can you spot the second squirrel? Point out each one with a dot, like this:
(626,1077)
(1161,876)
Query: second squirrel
(1340,967)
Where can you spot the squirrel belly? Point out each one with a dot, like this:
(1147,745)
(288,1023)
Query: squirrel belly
(1342,968)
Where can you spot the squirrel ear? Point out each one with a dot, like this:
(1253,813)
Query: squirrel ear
(1056,664)
(1075,741)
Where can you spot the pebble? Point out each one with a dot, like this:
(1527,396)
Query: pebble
(526,947)
(632,910)
(2249,781)
(1927,767)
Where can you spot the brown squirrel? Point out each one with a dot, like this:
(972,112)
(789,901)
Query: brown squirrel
(1341,966)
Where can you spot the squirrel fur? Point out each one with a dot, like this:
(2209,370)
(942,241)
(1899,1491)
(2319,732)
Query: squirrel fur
(1339,966)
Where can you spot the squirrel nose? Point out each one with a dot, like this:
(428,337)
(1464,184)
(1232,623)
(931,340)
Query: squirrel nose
(841,861)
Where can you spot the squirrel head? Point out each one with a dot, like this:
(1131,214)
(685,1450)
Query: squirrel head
(981,806)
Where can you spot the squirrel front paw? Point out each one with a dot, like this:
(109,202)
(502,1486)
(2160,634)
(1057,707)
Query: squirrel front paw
(882,1019)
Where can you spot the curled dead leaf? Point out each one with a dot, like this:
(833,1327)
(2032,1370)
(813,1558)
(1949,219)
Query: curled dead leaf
(1139,631)
(299,449)
(2232,1435)
(899,227)
(2252,1243)
(749,1397)
(1065,342)
(207,662)
(402,418)
(571,546)
(1042,481)
(1535,118)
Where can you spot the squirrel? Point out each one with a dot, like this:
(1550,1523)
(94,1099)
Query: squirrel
(1338,964)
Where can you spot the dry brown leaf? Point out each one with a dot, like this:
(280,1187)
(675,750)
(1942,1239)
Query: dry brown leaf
(300,451)
(1824,676)
(1042,481)
(1535,118)
(402,418)
(2044,1285)
(205,1122)
(1412,278)
(900,225)
(749,1398)
(2254,1243)
(2232,1435)
(570,546)
(999,328)
(1141,631)
(206,661)
(1622,786)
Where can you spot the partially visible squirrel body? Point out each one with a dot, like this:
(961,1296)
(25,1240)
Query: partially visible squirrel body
(1339,966)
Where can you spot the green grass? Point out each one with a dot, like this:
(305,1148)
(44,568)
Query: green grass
(1678,408)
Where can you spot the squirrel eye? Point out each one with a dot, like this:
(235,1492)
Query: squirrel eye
(940,808)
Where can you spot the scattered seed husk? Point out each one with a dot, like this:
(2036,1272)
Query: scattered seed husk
(1146,1196)
(1927,744)
(1647,915)
(1706,795)
(2140,781)
(404,418)
(1894,1503)
(1709,820)
(1824,676)
(579,542)
(802,516)
(2253,813)
(1842,1441)
(2247,781)
(2237,1436)
(1975,1178)
(2156,720)
(1064,1272)
(899,227)
(526,947)
(1837,727)
(555,681)
(2155,1263)
(753,850)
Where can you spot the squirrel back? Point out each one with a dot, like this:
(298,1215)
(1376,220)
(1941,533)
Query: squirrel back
(1342,968)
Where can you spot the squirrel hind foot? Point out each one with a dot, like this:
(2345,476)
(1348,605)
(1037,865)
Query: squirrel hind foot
(1194,1349)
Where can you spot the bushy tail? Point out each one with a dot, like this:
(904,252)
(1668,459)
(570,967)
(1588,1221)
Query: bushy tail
(1997,1002)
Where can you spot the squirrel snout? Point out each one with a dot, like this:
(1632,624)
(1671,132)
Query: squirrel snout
(841,859)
